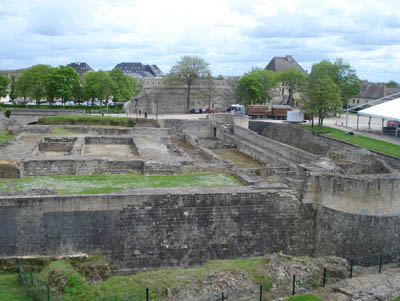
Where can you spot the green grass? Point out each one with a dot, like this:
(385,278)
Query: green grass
(307,297)
(4,136)
(157,281)
(11,288)
(367,142)
(105,183)
(397,299)
(93,120)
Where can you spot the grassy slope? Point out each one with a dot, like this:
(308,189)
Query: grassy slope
(157,281)
(367,142)
(105,183)
(4,136)
(11,288)
(307,297)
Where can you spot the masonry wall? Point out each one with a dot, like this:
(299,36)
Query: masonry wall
(158,229)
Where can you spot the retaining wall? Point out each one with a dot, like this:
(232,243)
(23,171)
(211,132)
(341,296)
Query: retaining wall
(158,228)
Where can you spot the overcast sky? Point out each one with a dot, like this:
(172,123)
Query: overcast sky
(233,36)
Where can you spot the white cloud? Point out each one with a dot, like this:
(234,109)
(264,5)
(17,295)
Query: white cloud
(233,36)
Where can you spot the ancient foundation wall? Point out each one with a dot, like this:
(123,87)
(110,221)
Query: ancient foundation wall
(158,228)
(286,151)
(376,195)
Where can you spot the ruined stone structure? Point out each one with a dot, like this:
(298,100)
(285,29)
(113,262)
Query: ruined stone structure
(310,196)
(155,95)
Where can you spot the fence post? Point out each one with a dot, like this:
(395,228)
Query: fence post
(147,294)
(31,280)
(324,281)
(294,284)
(48,293)
(223,297)
(351,268)
(261,292)
(380,264)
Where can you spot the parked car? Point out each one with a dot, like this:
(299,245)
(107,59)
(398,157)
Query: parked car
(210,110)
(194,111)
(31,104)
(70,103)
(58,103)
(202,111)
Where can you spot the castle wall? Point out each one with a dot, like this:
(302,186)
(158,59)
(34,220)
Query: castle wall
(158,228)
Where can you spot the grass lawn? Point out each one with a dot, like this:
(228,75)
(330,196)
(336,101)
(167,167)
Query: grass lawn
(93,120)
(11,288)
(5,136)
(134,286)
(105,183)
(307,297)
(61,131)
(367,142)
(237,157)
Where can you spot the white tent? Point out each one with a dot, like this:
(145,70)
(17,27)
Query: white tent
(389,110)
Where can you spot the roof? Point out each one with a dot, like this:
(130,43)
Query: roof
(80,67)
(140,70)
(388,110)
(375,91)
(279,64)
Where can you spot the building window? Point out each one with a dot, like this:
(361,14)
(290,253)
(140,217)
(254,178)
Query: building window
(354,101)
(358,101)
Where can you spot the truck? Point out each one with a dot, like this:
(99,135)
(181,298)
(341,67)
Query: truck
(237,109)
(279,112)
(255,111)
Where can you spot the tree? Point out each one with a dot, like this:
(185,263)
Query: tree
(124,86)
(291,79)
(13,88)
(98,85)
(342,74)
(323,98)
(78,92)
(3,85)
(187,71)
(22,86)
(65,79)
(392,84)
(36,78)
(51,85)
(255,86)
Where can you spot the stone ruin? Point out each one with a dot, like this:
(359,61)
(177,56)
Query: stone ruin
(304,195)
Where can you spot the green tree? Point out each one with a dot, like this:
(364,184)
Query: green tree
(51,85)
(255,86)
(342,74)
(36,77)
(124,86)
(98,85)
(293,80)
(323,98)
(22,86)
(187,71)
(13,88)
(65,79)
(392,84)
(3,85)
(78,91)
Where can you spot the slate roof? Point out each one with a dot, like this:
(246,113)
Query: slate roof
(375,91)
(81,67)
(140,70)
(279,64)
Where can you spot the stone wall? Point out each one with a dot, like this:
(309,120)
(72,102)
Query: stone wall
(286,151)
(80,167)
(376,195)
(158,228)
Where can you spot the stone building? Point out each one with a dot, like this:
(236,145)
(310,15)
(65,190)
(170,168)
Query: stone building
(81,67)
(370,92)
(279,64)
(139,70)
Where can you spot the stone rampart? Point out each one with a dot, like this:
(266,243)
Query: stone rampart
(158,228)
(286,151)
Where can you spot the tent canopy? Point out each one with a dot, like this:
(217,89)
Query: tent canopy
(389,110)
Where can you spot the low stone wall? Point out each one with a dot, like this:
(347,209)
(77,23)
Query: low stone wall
(108,140)
(9,169)
(376,195)
(80,167)
(158,228)
(288,152)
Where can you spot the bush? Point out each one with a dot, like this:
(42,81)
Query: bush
(7,113)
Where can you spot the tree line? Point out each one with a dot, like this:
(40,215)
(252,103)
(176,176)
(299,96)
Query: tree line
(325,91)
(64,83)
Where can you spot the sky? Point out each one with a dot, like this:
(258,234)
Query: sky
(232,36)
